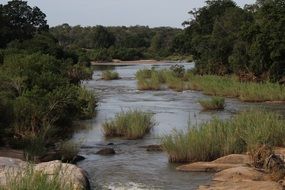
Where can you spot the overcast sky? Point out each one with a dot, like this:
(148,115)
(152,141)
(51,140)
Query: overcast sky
(119,12)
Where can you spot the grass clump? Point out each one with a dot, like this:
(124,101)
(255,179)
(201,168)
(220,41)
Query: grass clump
(215,103)
(33,180)
(131,124)
(110,75)
(217,138)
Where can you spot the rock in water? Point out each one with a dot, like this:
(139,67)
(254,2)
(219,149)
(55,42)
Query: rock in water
(106,151)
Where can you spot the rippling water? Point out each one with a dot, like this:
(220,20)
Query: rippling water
(133,167)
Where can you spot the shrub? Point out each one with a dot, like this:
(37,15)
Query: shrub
(110,75)
(236,135)
(131,124)
(215,103)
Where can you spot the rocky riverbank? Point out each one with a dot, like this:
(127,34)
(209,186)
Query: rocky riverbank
(241,171)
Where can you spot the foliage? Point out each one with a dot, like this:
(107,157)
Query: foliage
(226,39)
(124,43)
(110,75)
(215,103)
(20,21)
(131,124)
(236,135)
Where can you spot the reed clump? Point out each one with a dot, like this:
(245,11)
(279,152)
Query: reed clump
(217,138)
(215,103)
(31,179)
(131,124)
(110,75)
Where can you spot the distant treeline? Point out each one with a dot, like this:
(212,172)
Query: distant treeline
(124,43)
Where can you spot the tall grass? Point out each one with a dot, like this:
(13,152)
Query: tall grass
(215,103)
(229,86)
(33,180)
(131,124)
(217,138)
(110,75)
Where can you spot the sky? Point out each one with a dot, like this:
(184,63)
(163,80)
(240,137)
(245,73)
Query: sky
(152,13)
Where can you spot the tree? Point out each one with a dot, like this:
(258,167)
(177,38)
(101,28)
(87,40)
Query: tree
(103,38)
(20,21)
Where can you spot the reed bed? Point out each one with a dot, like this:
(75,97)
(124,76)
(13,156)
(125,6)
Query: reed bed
(110,75)
(131,124)
(215,103)
(217,138)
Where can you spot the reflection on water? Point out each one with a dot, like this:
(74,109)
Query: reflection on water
(133,167)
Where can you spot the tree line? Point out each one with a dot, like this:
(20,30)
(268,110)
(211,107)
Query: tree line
(124,43)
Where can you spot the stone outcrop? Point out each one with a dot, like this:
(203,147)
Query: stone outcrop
(245,178)
(226,162)
(67,174)
(106,151)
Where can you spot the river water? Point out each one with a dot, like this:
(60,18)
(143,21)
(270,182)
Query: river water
(132,167)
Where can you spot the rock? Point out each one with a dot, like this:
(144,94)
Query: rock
(240,174)
(106,151)
(245,178)
(234,159)
(153,148)
(244,185)
(78,158)
(70,176)
(110,144)
(206,167)
(226,162)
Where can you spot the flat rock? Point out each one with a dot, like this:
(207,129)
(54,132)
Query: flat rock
(206,167)
(241,174)
(226,162)
(243,185)
(234,159)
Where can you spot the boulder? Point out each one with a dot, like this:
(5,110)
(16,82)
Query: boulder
(106,151)
(226,162)
(73,177)
(70,176)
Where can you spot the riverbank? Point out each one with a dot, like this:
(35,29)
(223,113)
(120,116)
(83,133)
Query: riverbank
(117,62)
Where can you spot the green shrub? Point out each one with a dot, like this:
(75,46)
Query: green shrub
(110,75)
(215,103)
(131,124)
(236,135)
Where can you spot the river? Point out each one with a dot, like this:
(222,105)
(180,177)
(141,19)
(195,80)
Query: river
(132,167)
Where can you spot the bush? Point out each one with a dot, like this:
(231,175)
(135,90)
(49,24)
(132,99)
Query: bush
(236,135)
(215,103)
(110,75)
(131,124)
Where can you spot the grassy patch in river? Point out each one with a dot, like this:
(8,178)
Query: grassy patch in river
(131,124)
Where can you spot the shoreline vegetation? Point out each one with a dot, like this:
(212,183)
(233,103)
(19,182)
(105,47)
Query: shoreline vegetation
(176,78)
(239,134)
